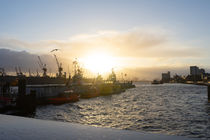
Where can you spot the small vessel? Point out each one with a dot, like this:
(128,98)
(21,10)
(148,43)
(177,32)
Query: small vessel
(89,92)
(65,97)
(157,82)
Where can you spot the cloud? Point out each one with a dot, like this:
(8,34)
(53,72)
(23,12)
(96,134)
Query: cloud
(125,43)
(132,43)
(11,59)
(19,45)
(137,48)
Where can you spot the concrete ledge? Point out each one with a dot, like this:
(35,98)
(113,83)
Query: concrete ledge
(20,128)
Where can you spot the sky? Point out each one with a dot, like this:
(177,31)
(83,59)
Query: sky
(157,35)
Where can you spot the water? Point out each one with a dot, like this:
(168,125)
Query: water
(175,109)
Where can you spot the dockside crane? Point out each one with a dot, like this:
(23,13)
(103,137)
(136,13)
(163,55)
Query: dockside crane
(2,72)
(29,73)
(20,72)
(42,66)
(60,69)
(37,73)
(75,65)
(17,73)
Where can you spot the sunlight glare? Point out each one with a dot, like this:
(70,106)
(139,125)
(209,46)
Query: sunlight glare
(99,62)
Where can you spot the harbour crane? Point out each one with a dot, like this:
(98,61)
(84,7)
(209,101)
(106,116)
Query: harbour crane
(37,73)
(17,73)
(60,69)
(75,64)
(42,66)
(29,73)
(20,72)
(2,72)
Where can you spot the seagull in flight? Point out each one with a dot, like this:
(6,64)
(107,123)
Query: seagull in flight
(54,50)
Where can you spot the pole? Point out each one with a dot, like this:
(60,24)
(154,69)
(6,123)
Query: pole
(208,93)
(21,87)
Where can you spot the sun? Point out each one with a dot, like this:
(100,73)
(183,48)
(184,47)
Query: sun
(99,62)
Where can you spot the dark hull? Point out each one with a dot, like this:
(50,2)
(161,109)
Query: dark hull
(63,99)
(89,95)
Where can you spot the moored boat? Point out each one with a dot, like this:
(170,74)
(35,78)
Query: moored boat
(90,92)
(65,97)
(157,82)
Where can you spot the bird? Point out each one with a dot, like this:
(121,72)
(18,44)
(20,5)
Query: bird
(54,50)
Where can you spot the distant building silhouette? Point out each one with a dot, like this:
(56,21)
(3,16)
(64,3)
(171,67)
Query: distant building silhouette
(166,77)
(194,70)
(202,71)
(196,74)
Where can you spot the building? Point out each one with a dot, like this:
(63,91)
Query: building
(202,71)
(196,74)
(166,77)
(194,70)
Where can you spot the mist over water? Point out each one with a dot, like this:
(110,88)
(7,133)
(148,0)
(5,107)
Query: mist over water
(176,109)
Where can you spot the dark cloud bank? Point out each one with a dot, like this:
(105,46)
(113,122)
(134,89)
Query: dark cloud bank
(10,59)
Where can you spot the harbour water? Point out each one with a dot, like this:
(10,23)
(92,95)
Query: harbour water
(175,109)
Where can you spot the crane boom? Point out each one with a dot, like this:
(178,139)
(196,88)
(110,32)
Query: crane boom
(40,61)
(16,71)
(42,66)
(20,72)
(57,61)
(60,69)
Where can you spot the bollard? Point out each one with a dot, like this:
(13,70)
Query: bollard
(208,93)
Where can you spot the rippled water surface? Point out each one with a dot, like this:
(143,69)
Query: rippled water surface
(176,109)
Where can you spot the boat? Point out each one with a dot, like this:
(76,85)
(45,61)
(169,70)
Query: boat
(65,97)
(89,92)
(157,82)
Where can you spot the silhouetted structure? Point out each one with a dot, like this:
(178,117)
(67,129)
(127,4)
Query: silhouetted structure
(208,93)
(60,69)
(196,74)
(178,79)
(43,67)
(166,77)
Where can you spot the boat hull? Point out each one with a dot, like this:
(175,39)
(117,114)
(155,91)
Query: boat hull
(63,99)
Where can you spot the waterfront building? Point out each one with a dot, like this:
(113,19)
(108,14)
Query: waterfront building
(194,70)
(166,77)
(196,74)
(202,71)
